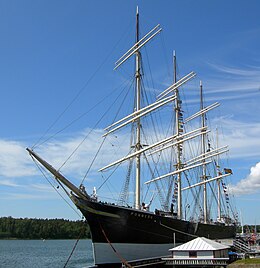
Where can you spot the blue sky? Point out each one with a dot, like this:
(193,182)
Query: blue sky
(55,51)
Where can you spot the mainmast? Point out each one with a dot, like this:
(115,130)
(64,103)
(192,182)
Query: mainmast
(203,145)
(179,145)
(137,108)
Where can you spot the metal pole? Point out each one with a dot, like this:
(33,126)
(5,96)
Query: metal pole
(138,127)
(218,183)
(178,166)
(204,177)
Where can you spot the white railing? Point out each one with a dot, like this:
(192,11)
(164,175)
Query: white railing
(215,261)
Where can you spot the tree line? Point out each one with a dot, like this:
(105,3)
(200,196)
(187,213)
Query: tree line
(11,228)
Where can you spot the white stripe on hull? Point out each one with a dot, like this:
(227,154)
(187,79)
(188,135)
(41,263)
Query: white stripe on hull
(104,254)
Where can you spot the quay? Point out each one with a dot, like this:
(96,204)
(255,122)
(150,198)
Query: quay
(200,252)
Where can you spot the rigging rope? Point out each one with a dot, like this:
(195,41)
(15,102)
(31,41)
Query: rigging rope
(104,114)
(153,119)
(75,245)
(161,198)
(114,250)
(178,231)
(75,120)
(124,195)
(164,53)
(105,180)
(92,162)
(41,170)
(106,136)
(81,90)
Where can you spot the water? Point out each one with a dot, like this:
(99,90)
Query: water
(48,253)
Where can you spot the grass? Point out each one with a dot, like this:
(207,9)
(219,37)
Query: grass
(246,261)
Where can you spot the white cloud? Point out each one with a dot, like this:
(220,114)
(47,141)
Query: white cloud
(42,188)
(225,82)
(62,155)
(249,185)
(18,171)
(242,137)
(24,196)
(13,160)
(252,71)
(8,183)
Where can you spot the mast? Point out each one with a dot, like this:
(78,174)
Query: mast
(179,146)
(136,115)
(174,67)
(241,219)
(137,108)
(218,183)
(203,145)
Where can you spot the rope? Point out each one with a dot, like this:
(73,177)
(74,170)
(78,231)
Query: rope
(83,229)
(177,231)
(92,162)
(115,251)
(41,170)
(84,139)
(75,245)
(80,91)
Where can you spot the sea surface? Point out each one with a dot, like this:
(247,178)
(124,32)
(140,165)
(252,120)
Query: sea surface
(45,253)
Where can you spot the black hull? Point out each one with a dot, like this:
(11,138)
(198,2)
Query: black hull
(113,226)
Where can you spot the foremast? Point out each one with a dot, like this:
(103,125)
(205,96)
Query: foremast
(138,111)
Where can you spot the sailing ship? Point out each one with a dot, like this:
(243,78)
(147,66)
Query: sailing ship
(192,194)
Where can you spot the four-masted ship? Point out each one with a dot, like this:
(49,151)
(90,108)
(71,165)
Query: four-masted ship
(193,194)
